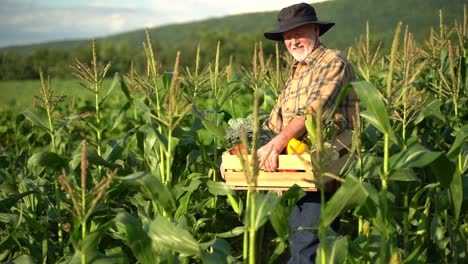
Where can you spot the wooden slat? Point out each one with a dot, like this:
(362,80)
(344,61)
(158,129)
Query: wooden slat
(270,180)
(286,162)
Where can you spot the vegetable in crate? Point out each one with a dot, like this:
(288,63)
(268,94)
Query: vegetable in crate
(239,127)
(295,146)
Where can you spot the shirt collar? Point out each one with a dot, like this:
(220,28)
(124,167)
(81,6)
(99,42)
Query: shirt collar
(314,55)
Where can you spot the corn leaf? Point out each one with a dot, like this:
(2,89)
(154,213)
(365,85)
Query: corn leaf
(376,113)
(38,117)
(459,143)
(415,156)
(265,204)
(220,250)
(173,237)
(46,159)
(136,238)
(153,188)
(218,188)
(352,194)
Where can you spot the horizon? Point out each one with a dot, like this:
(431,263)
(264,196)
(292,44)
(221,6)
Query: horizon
(28,22)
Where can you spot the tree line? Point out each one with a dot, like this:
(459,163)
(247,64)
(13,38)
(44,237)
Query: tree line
(234,47)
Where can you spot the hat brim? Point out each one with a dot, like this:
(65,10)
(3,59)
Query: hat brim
(278,34)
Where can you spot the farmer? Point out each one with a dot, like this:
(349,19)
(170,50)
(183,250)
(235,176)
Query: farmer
(316,79)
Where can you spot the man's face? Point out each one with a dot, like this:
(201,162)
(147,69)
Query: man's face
(301,41)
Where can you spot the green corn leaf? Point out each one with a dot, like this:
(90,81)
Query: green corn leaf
(279,249)
(459,143)
(376,113)
(38,116)
(456,194)
(93,158)
(227,91)
(218,188)
(220,251)
(444,169)
(279,220)
(114,149)
(279,216)
(415,156)
(415,200)
(264,207)
(136,237)
(431,108)
(89,246)
(311,127)
(167,79)
(162,139)
(67,121)
(153,188)
(115,81)
(148,137)
(210,122)
(403,174)
(173,237)
(194,182)
(416,254)
(24,259)
(183,205)
(234,204)
(47,159)
(352,194)
(120,117)
(450,178)
(337,250)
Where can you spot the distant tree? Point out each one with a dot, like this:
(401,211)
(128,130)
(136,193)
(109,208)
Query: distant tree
(11,66)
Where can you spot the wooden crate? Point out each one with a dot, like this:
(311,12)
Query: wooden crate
(291,169)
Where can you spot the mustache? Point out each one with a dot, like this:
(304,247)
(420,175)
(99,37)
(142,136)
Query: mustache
(296,46)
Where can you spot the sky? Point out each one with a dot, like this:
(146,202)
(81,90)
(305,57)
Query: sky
(34,21)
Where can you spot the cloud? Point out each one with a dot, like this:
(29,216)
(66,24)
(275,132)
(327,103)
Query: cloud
(27,21)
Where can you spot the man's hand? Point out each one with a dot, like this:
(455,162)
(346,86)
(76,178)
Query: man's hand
(221,169)
(268,157)
(268,154)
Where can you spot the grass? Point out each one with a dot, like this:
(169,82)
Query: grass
(19,95)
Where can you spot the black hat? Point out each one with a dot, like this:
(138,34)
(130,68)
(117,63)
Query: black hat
(294,16)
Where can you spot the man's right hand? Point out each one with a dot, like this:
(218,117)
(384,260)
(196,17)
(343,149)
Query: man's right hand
(268,158)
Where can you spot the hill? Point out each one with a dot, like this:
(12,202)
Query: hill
(237,35)
(350,17)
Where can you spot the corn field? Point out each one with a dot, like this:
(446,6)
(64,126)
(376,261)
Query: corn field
(133,176)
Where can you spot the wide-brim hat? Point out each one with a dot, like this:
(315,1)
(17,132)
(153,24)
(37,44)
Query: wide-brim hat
(294,16)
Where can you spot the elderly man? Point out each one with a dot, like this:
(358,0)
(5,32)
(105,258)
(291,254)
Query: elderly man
(316,80)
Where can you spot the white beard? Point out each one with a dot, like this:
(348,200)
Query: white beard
(301,56)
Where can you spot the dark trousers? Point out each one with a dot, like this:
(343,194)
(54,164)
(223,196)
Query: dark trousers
(306,214)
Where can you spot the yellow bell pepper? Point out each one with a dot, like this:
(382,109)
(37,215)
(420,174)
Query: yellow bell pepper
(296,146)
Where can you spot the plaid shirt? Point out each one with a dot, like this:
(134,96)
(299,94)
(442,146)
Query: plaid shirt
(317,80)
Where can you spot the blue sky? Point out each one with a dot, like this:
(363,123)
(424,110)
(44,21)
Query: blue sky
(35,21)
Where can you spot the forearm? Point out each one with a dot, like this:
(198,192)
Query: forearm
(294,129)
